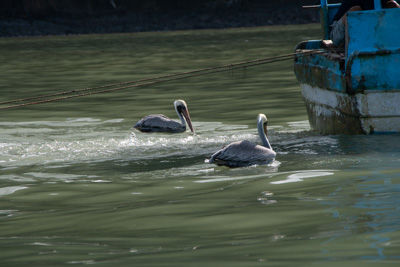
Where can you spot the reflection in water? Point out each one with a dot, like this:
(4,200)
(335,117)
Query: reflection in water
(380,203)
(372,211)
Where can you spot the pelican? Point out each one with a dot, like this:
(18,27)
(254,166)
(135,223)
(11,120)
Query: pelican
(245,153)
(161,123)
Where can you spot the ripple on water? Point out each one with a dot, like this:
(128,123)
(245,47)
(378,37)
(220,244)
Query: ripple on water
(10,190)
(88,140)
(300,176)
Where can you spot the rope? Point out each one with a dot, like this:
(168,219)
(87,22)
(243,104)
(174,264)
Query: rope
(154,80)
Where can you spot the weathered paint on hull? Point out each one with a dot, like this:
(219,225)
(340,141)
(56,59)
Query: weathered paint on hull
(370,112)
(357,90)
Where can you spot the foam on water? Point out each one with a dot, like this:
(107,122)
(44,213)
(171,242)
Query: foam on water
(88,139)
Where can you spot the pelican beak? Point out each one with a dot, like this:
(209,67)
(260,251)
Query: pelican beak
(185,114)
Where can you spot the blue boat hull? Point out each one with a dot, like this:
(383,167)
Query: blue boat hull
(355,91)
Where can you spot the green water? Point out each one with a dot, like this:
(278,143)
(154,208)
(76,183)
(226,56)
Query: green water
(79,187)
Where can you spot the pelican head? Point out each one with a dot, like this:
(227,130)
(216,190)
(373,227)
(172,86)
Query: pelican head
(183,113)
(262,129)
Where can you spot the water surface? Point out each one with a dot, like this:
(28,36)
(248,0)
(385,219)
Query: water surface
(78,186)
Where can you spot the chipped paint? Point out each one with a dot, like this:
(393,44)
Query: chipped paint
(358,92)
(332,112)
(320,70)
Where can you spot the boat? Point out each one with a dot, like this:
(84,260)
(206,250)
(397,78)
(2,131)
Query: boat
(356,89)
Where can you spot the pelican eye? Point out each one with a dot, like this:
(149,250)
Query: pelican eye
(180,108)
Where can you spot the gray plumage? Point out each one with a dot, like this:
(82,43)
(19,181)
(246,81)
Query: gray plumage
(245,153)
(161,123)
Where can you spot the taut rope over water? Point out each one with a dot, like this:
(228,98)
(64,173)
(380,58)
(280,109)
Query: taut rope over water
(152,80)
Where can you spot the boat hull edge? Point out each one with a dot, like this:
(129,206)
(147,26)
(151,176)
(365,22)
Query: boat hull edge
(332,112)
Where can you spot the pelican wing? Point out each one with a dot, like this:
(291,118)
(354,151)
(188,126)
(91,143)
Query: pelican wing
(158,123)
(243,153)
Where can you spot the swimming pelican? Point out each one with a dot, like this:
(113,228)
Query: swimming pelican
(245,153)
(161,123)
